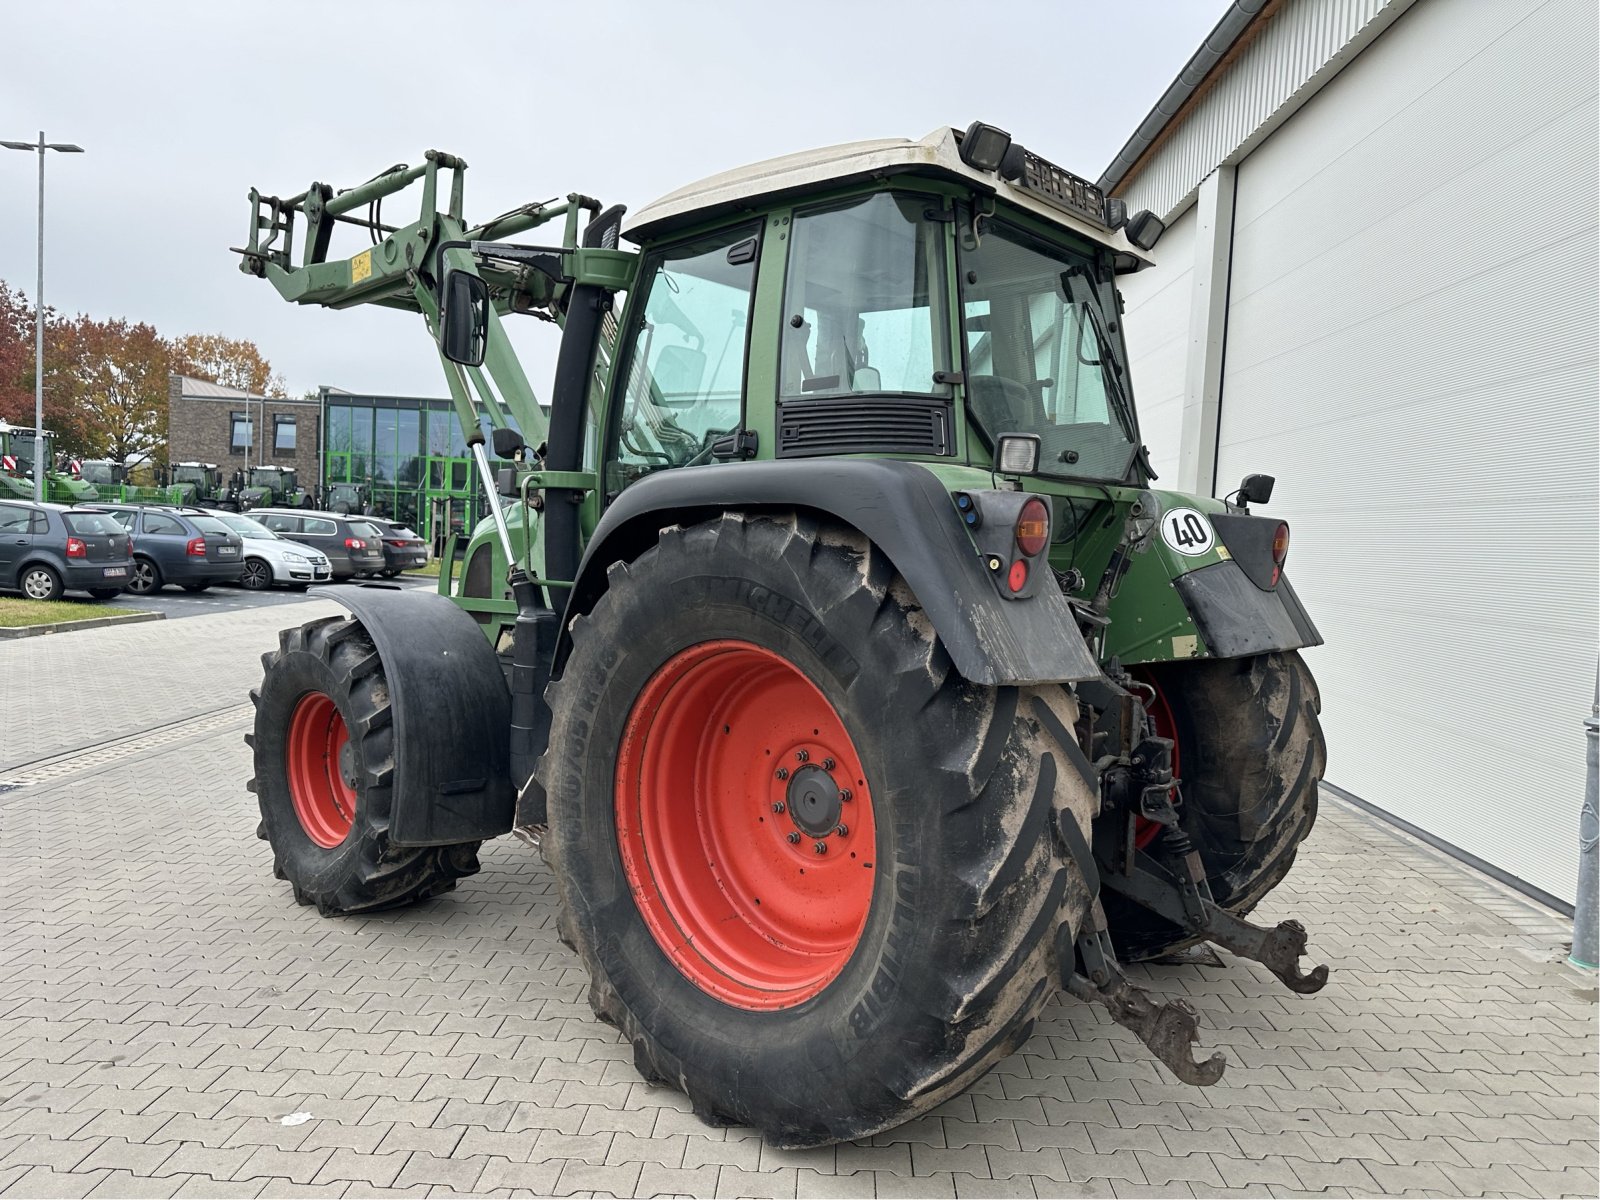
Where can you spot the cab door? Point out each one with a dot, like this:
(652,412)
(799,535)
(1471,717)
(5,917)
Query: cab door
(16,539)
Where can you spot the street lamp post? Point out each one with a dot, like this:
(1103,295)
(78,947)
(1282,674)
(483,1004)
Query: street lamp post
(38,303)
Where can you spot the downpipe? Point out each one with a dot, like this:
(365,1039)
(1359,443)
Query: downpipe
(1586,912)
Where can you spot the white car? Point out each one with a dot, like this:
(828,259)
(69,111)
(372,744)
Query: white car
(270,558)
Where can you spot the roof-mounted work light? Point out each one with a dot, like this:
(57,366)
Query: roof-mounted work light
(1144,229)
(983,147)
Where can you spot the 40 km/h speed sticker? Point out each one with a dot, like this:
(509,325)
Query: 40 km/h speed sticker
(1186,531)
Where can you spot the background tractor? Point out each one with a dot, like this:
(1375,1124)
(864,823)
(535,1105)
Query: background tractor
(827,633)
(203,484)
(348,498)
(273,487)
(61,486)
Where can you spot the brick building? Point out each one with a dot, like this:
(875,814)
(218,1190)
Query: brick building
(207,422)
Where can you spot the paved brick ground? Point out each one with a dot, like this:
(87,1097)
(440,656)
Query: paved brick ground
(167,1013)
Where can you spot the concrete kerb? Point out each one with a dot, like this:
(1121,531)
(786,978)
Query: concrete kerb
(129,618)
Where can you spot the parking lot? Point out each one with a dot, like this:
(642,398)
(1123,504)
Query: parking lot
(175,602)
(171,1023)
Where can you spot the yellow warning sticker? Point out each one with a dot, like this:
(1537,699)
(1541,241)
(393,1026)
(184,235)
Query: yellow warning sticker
(1222,551)
(361,267)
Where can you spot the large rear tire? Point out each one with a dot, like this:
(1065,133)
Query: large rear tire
(722,698)
(324,758)
(1250,754)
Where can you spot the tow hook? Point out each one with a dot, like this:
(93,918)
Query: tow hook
(1168,1028)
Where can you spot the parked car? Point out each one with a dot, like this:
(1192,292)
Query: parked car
(185,546)
(48,549)
(271,558)
(403,550)
(354,545)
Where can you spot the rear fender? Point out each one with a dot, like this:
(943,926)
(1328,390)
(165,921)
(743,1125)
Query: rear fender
(452,716)
(905,510)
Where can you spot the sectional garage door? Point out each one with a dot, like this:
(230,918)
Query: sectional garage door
(1411,349)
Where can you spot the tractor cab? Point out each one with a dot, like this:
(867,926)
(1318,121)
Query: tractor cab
(102,472)
(267,486)
(347,498)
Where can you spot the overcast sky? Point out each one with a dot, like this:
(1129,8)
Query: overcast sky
(182,107)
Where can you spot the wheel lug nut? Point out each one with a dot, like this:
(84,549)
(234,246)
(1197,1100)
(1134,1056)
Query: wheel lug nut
(783,772)
(844,794)
(794,839)
(802,756)
(827,764)
(820,847)
(841,829)
(778,807)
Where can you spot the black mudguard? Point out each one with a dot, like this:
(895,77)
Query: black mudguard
(1238,618)
(452,716)
(906,512)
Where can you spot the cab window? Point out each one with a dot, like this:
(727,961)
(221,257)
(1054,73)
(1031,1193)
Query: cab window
(684,377)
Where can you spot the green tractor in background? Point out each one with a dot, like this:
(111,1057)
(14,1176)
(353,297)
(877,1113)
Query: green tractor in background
(115,481)
(352,499)
(61,486)
(273,487)
(202,483)
(828,633)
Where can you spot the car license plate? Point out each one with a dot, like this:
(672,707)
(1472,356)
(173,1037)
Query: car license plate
(227,551)
(115,572)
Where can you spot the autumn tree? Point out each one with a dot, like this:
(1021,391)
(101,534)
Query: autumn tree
(16,357)
(114,376)
(232,362)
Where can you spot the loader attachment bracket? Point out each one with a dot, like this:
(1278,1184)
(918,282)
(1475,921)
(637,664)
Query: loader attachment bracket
(1169,1028)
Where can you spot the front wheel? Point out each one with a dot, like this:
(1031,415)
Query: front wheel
(810,869)
(146,577)
(324,759)
(257,575)
(1250,754)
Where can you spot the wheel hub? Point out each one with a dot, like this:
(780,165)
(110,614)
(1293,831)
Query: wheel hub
(814,801)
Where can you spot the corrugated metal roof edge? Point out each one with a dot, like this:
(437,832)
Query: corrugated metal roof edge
(1219,41)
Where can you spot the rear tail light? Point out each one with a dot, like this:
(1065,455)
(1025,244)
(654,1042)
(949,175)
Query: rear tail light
(1033,528)
(1280,550)
(130,547)
(396,542)
(197,547)
(1017,577)
(354,544)
(76,548)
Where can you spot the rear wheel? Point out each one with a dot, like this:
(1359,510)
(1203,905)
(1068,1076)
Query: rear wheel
(40,582)
(324,759)
(1250,754)
(145,577)
(810,869)
(257,575)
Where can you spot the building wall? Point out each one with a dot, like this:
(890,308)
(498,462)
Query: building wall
(1157,317)
(1410,348)
(199,428)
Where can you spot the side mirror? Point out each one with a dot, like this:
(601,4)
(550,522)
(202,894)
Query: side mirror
(464,318)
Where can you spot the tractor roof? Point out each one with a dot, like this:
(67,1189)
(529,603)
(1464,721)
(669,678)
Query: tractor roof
(936,155)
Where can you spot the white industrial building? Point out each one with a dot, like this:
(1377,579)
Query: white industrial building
(1379,284)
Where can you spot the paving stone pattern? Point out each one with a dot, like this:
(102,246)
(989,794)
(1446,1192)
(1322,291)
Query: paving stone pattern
(169,1016)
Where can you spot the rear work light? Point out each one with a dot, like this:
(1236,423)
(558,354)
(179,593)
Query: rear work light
(76,548)
(354,544)
(1280,550)
(197,547)
(1033,527)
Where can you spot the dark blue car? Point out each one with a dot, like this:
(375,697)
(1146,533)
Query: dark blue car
(48,549)
(186,546)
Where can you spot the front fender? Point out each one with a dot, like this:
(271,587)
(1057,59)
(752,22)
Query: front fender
(906,512)
(451,711)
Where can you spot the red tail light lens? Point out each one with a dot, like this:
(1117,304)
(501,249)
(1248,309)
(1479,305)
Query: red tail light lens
(130,547)
(394,542)
(76,548)
(354,544)
(1017,577)
(197,548)
(1280,551)
(1033,529)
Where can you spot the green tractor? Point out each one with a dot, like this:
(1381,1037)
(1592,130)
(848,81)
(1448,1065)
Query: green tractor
(114,481)
(273,487)
(827,633)
(61,486)
(347,498)
(203,484)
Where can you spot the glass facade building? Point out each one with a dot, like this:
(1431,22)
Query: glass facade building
(411,455)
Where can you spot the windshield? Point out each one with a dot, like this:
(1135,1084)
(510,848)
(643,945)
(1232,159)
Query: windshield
(245,527)
(189,475)
(209,525)
(96,472)
(268,477)
(1038,354)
